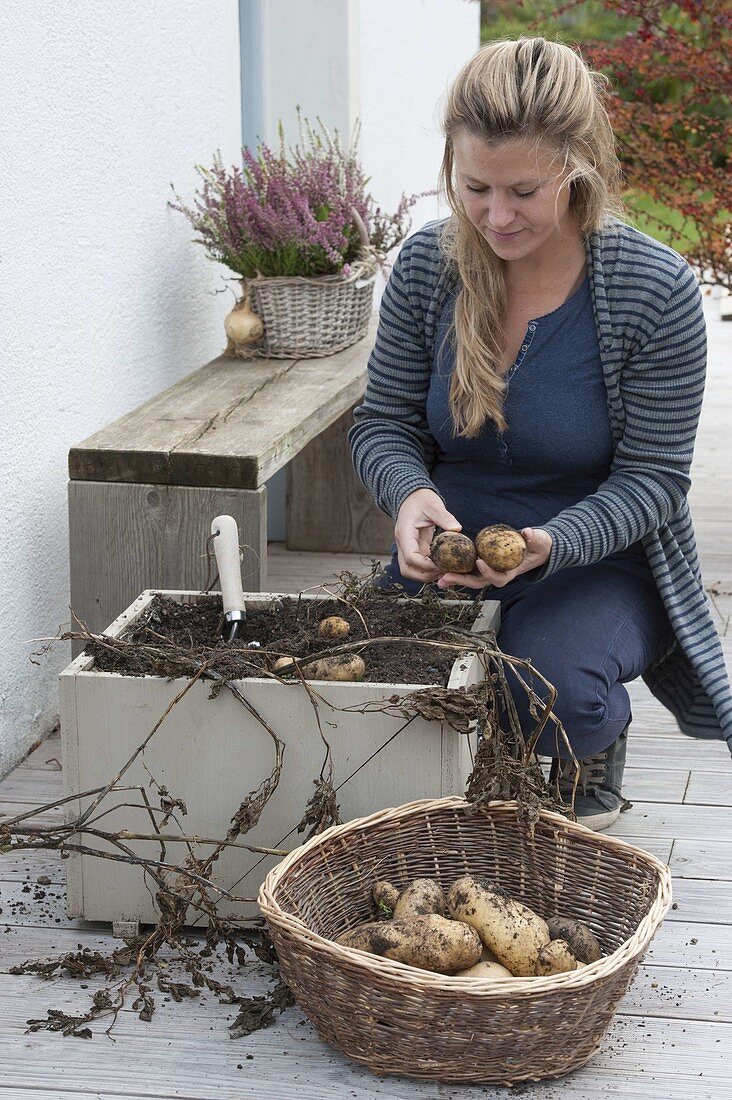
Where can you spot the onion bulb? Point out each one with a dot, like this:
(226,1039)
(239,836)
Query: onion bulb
(242,325)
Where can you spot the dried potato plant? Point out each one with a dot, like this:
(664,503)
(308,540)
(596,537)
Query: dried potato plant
(504,767)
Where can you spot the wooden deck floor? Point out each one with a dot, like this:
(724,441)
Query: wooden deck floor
(671,1039)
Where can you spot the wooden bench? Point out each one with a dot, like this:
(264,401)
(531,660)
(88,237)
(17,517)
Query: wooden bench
(143,490)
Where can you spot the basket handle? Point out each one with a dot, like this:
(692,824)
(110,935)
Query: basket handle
(362,231)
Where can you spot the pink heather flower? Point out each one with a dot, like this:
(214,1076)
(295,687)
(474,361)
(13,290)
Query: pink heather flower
(292,213)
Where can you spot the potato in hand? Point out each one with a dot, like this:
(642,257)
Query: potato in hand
(453,552)
(500,547)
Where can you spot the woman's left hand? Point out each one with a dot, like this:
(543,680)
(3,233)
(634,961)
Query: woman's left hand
(538,549)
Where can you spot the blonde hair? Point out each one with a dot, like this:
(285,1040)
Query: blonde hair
(532,89)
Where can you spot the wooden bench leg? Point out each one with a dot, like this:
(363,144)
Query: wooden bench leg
(124,538)
(328,509)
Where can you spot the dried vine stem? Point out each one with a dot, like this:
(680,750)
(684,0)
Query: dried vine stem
(179,888)
(125,834)
(503,768)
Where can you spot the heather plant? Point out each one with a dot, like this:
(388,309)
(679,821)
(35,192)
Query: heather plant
(292,212)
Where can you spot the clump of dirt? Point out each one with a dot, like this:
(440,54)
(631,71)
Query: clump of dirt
(169,631)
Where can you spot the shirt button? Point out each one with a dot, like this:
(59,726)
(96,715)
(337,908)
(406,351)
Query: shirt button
(524,347)
(532,328)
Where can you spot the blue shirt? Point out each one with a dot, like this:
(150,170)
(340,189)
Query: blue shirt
(649,318)
(558,446)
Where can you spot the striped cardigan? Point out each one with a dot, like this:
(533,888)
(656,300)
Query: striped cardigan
(652,340)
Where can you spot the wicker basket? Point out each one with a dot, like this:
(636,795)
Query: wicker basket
(310,317)
(398,1019)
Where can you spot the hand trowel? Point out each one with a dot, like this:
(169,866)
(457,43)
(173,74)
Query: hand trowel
(226,547)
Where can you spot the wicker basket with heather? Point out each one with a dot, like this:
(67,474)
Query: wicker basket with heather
(305,237)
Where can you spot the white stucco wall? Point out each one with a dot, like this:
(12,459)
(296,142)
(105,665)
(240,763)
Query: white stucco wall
(405,72)
(385,62)
(103,299)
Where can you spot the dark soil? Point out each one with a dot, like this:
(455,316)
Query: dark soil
(289,628)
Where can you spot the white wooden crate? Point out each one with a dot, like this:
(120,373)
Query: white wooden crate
(212,753)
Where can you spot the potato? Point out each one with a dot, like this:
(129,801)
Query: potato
(555,958)
(431,942)
(334,627)
(453,552)
(422,896)
(485,969)
(512,931)
(385,895)
(578,936)
(342,666)
(284,664)
(500,547)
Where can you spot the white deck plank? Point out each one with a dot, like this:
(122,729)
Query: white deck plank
(46,756)
(661,785)
(682,993)
(25,942)
(707,901)
(53,816)
(19,1092)
(26,784)
(709,789)
(662,819)
(667,752)
(710,859)
(686,945)
(43,905)
(23,864)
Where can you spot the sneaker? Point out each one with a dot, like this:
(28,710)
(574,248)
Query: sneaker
(598,800)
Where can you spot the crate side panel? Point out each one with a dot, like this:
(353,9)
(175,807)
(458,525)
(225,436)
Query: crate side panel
(211,753)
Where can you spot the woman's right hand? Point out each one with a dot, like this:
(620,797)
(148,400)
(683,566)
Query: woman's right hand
(420,513)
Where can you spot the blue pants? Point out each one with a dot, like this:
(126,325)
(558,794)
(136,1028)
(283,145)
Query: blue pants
(588,631)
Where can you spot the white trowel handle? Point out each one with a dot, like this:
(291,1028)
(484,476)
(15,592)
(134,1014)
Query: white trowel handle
(226,548)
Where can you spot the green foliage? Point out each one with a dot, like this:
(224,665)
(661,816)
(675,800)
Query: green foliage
(589,20)
(667,224)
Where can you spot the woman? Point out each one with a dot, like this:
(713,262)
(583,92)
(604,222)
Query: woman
(541,364)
